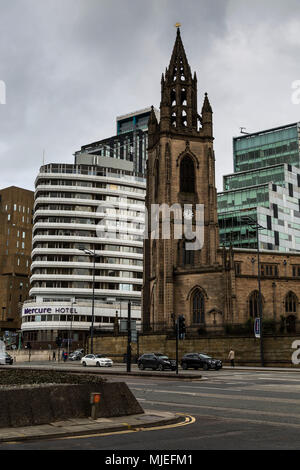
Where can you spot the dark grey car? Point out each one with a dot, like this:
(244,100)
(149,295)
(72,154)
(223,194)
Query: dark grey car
(200,360)
(156,362)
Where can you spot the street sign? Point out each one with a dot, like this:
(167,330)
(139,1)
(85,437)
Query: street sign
(124,324)
(257,327)
(134,336)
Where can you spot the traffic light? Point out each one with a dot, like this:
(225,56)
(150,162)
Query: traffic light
(181,326)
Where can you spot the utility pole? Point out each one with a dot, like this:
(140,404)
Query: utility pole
(128,356)
(177,335)
(260,300)
(254,224)
(94,255)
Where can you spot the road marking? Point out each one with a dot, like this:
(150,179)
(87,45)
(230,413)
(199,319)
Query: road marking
(279,379)
(188,420)
(282,388)
(228,409)
(219,388)
(229,397)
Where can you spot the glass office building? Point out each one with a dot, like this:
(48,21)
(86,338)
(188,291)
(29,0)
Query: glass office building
(130,143)
(265,186)
(267,148)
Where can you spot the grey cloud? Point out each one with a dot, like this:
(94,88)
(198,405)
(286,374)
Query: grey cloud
(72,66)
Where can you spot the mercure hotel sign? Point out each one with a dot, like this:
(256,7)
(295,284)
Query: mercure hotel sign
(49,310)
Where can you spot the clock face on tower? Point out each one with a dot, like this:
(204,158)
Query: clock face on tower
(188,214)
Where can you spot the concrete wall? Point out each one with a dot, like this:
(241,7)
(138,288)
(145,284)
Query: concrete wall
(38,404)
(25,355)
(35,396)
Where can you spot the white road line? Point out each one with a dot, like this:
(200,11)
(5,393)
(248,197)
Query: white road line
(229,397)
(279,379)
(228,409)
(219,388)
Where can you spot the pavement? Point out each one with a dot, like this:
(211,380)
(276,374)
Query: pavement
(88,426)
(119,369)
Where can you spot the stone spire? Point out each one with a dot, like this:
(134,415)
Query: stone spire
(179,93)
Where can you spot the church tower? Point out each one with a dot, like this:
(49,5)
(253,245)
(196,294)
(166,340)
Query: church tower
(181,173)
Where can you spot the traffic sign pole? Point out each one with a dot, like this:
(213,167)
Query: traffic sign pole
(177,334)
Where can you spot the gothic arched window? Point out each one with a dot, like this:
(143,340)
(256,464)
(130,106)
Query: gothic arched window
(291,302)
(188,255)
(253,304)
(156,178)
(187,175)
(198,306)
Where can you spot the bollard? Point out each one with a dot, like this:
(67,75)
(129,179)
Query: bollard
(95,402)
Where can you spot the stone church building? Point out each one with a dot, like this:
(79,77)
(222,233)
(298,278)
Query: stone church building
(211,286)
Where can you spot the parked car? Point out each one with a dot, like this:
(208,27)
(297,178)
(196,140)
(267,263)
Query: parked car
(156,361)
(5,358)
(98,360)
(76,355)
(200,360)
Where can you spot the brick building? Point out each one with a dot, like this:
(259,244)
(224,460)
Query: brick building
(212,286)
(16,205)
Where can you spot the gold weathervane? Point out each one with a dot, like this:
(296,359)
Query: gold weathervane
(177,25)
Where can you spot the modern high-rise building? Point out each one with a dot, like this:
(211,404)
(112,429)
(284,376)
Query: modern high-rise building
(264,186)
(94,206)
(130,143)
(16,206)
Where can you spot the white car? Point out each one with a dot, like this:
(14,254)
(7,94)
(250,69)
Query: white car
(5,358)
(96,360)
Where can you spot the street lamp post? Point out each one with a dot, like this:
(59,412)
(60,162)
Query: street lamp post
(128,355)
(70,331)
(254,224)
(94,255)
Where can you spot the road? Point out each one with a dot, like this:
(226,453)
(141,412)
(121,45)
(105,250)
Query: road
(232,409)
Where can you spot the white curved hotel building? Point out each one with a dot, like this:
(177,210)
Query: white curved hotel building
(98,206)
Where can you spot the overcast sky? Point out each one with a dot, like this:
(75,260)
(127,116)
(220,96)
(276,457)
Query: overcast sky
(71,66)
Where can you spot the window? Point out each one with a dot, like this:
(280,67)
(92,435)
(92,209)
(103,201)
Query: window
(198,306)
(270,270)
(238,267)
(291,302)
(156,178)
(187,175)
(296,271)
(269,222)
(254,304)
(188,255)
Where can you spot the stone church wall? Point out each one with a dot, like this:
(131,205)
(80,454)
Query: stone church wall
(277,349)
